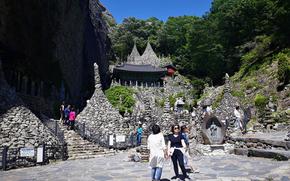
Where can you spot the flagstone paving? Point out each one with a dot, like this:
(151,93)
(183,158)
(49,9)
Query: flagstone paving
(117,167)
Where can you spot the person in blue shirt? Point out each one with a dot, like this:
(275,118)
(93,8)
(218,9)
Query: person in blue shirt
(66,114)
(139,134)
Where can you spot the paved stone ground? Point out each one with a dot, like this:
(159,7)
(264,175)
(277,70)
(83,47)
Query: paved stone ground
(228,167)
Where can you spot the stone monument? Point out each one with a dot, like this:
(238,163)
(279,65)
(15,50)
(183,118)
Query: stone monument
(213,130)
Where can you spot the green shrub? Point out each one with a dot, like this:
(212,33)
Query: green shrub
(171,100)
(121,97)
(179,94)
(283,68)
(198,86)
(251,83)
(218,100)
(194,103)
(254,59)
(160,103)
(187,106)
(261,101)
(238,93)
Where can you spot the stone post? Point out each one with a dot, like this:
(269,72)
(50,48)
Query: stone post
(36,89)
(1,73)
(227,84)
(98,84)
(4,158)
(19,83)
(32,88)
(41,88)
(24,85)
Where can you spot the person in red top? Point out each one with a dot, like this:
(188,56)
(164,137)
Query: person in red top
(72,117)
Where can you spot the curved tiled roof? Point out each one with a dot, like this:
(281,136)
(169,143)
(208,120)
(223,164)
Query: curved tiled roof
(139,68)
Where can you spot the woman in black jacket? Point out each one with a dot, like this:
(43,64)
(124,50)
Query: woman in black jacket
(176,149)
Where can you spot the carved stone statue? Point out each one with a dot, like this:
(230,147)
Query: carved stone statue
(213,130)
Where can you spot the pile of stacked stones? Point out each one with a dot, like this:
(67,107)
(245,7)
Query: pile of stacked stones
(167,118)
(225,111)
(196,131)
(19,127)
(101,119)
(267,119)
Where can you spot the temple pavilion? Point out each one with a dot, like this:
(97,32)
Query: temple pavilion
(140,70)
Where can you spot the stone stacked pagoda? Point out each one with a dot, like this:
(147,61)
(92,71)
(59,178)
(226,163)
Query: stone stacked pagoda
(140,70)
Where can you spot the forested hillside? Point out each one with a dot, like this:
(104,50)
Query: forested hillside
(233,36)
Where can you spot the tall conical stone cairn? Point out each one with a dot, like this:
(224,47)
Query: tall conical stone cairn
(149,56)
(134,57)
(225,111)
(100,118)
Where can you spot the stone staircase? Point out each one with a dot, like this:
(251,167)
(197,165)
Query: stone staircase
(79,148)
(267,145)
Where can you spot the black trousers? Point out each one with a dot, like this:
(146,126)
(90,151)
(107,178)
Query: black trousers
(178,156)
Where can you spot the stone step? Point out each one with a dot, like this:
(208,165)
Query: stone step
(274,154)
(96,152)
(84,151)
(77,157)
(73,139)
(78,148)
(272,142)
(88,156)
(84,146)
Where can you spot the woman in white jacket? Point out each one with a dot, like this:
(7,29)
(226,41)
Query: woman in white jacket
(157,147)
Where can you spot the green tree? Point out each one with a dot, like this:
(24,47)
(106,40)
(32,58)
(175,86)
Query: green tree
(121,97)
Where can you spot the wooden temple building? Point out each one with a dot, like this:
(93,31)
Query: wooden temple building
(140,70)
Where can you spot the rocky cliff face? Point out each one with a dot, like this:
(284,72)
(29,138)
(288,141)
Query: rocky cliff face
(56,42)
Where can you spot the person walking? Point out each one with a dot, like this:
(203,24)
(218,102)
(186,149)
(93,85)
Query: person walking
(184,134)
(66,114)
(238,115)
(61,112)
(187,158)
(72,117)
(157,148)
(139,134)
(176,149)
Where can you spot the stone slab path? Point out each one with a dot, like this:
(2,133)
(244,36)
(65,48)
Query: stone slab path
(277,135)
(118,168)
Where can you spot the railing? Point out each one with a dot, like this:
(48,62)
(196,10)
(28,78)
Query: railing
(108,141)
(27,157)
(53,126)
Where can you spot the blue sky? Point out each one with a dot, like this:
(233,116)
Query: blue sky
(161,9)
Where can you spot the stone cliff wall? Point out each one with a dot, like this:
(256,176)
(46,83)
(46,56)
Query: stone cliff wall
(54,42)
